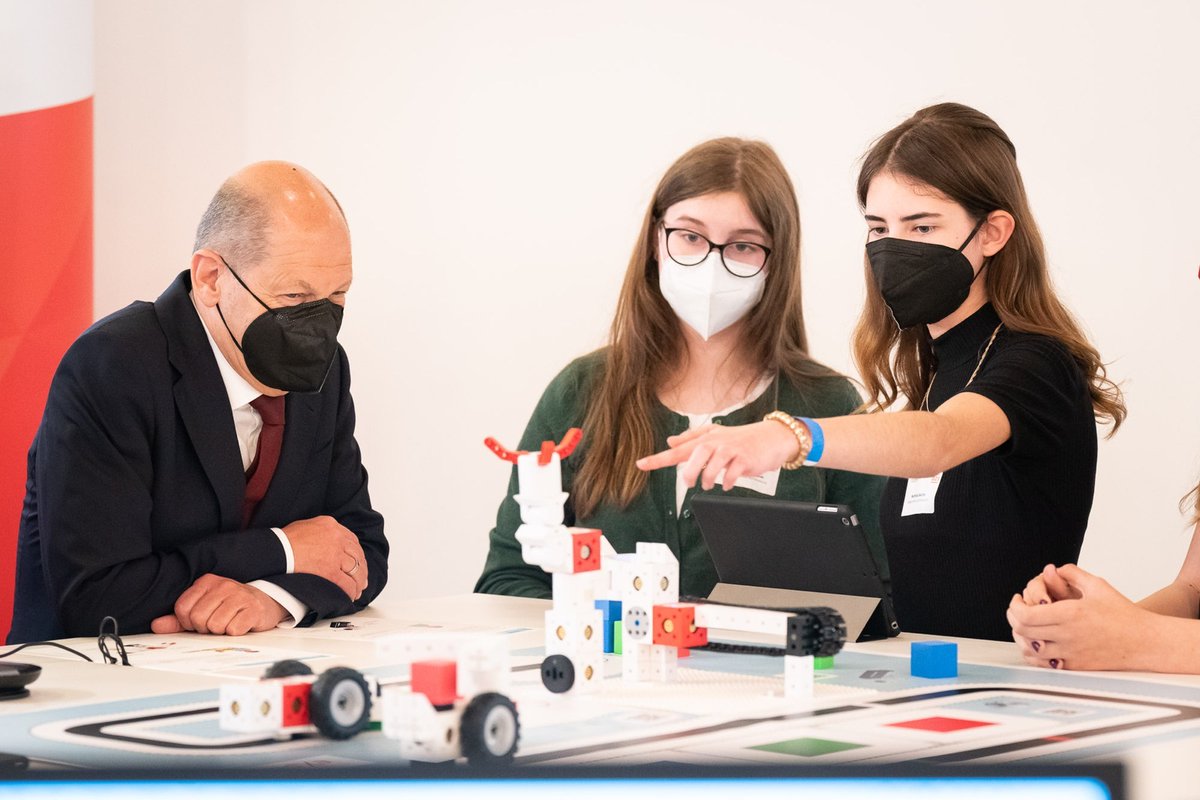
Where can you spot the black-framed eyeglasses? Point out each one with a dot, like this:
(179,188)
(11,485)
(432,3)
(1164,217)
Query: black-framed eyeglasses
(741,259)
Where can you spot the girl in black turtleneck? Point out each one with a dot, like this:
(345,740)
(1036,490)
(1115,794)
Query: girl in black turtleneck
(993,460)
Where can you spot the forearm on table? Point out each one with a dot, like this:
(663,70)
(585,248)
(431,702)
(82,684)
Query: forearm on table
(1177,599)
(1170,644)
(139,588)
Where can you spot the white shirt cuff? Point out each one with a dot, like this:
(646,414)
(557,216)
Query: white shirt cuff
(286,599)
(287,550)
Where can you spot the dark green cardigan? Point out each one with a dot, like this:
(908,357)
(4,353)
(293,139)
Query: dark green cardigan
(651,517)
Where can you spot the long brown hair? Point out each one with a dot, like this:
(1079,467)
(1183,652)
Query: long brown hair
(646,343)
(1190,505)
(964,154)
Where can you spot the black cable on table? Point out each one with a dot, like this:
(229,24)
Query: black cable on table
(71,650)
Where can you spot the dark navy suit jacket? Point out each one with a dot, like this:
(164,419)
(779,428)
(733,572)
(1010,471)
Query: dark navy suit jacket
(135,481)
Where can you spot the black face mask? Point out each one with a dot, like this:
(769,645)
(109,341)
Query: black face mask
(921,282)
(290,348)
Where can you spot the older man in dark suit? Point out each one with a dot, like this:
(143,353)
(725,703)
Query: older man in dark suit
(196,467)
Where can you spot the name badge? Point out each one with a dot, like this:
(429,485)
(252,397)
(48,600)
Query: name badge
(766,483)
(918,499)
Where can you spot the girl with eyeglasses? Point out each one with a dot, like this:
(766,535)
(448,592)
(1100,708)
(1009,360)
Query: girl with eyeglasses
(992,463)
(709,330)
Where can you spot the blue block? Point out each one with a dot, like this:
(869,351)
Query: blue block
(934,660)
(611,611)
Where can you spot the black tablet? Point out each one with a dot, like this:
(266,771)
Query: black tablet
(795,552)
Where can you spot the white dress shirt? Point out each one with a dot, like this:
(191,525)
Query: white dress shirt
(248,424)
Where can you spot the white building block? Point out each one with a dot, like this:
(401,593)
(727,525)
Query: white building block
(578,590)
(546,546)
(589,670)
(539,484)
(484,665)
(404,648)
(655,552)
(542,514)
(663,662)
(574,629)
(649,578)
(649,662)
(636,662)
(251,707)
(578,635)
(751,620)
(606,549)
(423,733)
(484,662)
(798,674)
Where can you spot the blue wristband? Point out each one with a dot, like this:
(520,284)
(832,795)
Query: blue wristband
(818,441)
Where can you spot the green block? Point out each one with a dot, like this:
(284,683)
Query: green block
(808,747)
(823,662)
(617,628)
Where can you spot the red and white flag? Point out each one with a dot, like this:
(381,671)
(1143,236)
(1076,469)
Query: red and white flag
(45,226)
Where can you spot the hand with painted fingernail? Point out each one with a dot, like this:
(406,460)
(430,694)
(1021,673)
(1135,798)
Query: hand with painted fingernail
(1058,587)
(1088,625)
(1029,648)
(1047,587)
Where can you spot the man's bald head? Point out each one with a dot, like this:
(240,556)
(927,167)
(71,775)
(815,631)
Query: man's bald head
(264,198)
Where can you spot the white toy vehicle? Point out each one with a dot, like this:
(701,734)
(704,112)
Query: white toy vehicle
(290,699)
(483,730)
(456,704)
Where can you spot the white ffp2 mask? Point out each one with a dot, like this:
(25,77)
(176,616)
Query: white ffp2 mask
(707,297)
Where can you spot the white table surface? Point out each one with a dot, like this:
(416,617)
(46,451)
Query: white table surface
(1159,772)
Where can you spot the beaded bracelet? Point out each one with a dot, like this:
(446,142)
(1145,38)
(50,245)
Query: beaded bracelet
(803,437)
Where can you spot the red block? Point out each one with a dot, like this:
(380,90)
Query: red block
(295,704)
(437,680)
(675,625)
(585,550)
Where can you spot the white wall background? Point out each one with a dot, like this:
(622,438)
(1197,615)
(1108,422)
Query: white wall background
(494,160)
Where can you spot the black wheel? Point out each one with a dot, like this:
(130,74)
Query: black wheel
(832,631)
(287,668)
(489,730)
(817,631)
(558,673)
(340,705)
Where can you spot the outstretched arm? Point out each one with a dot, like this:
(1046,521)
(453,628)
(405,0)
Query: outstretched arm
(912,444)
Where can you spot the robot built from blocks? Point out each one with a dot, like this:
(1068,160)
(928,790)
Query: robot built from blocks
(455,704)
(601,596)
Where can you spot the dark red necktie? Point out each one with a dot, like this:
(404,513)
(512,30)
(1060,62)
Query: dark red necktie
(270,442)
